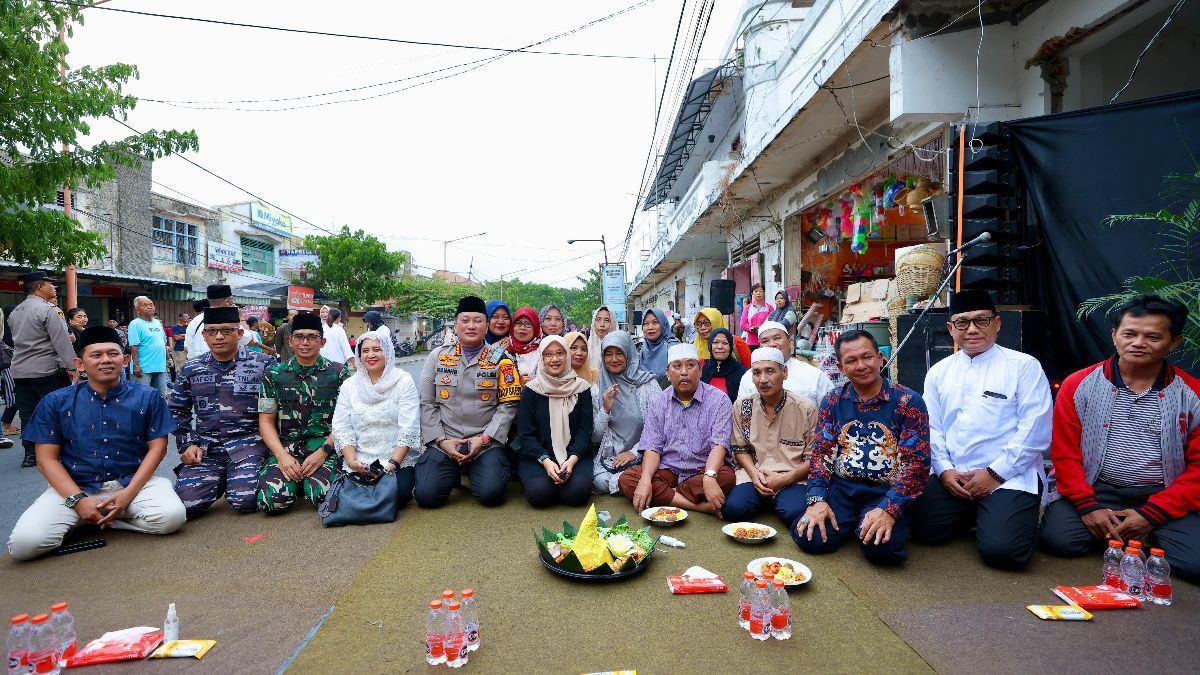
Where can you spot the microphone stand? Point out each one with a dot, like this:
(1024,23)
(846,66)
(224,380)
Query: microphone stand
(936,294)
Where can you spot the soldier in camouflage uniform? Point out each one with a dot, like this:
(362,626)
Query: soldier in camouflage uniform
(224,452)
(295,418)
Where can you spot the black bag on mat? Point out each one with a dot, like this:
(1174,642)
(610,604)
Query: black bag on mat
(356,499)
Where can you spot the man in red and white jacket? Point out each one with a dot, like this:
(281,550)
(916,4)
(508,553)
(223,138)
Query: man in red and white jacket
(1126,445)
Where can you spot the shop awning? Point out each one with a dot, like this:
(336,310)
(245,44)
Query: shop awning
(101,274)
(693,112)
(186,293)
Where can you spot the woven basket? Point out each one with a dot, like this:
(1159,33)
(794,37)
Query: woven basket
(919,271)
(896,307)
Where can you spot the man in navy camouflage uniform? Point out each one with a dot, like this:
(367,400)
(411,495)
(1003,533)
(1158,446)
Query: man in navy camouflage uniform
(222,452)
(295,418)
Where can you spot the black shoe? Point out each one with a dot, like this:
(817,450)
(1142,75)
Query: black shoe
(30,460)
(5,443)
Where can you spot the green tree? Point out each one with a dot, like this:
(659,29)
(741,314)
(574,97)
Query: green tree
(433,297)
(40,111)
(582,302)
(1176,274)
(355,267)
(517,293)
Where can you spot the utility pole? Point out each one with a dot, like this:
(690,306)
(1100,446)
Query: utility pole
(446,245)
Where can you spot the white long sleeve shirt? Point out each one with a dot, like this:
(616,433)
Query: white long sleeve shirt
(994,411)
(375,429)
(802,380)
(337,345)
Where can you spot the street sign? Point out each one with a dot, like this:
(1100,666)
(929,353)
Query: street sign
(612,289)
(301,298)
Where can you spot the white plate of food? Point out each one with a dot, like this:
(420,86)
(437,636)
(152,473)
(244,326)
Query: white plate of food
(665,516)
(791,572)
(749,533)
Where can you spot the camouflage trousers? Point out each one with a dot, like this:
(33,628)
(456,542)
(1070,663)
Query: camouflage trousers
(232,472)
(277,494)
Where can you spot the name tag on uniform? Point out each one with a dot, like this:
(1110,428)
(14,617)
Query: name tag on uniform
(204,379)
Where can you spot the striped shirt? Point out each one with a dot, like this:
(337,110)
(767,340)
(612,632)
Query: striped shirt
(1133,455)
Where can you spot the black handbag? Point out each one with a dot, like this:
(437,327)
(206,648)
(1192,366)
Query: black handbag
(356,499)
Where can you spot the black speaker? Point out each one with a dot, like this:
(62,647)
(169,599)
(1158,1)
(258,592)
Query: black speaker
(637,317)
(1023,331)
(721,294)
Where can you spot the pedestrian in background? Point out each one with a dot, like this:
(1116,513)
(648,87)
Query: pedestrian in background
(43,358)
(337,346)
(148,346)
(77,320)
(283,348)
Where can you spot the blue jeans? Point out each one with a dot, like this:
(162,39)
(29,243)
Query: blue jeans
(851,501)
(744,503)
(156,380)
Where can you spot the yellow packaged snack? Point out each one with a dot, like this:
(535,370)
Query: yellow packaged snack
(182,649)
(1060,612)
(589,547)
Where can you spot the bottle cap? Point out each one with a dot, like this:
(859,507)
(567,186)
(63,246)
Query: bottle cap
(468,593)
(435,604)
(779,583)
(58,607)
(1131,551)
(748,574)
(1135,543)
(454,605)
(1114,543)
(1158,552)
(448,594)
(20,618)
(769,576)
(761,583)
(41,618)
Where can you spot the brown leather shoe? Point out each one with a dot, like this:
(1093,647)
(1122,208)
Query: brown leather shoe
(10,430)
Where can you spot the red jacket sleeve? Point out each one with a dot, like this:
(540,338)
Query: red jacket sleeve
(743,350)
(1183,494)
(1065,450)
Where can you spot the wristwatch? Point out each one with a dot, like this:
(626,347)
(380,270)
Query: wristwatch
(813,499)
(74,499)
(485,438)
(710,473)
(329,449)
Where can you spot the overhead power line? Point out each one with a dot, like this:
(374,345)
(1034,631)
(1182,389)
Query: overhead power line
(466,67)
(351,36)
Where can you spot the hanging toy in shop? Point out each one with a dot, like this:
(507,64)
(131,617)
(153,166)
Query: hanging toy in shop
(902,197)
(846,220)
(891,187)
(862,216)
(826,222)
(878,213)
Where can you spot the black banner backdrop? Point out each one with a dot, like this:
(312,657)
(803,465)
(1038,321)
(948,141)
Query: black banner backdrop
(1079,168)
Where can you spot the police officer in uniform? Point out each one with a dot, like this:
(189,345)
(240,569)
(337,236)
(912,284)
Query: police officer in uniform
(224,452)
(43,358)
(469,396)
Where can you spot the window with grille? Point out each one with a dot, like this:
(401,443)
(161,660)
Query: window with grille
(258,256)
(176,241)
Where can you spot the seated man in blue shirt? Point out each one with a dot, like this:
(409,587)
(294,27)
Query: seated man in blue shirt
(98,444)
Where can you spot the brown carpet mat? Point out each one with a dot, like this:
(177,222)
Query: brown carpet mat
(258,600)
(537,622)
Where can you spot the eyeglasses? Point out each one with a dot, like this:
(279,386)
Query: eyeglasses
(979,321)
(524,323)
(306,337)
(212,332)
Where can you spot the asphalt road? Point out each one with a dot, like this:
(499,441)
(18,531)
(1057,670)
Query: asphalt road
(19,487)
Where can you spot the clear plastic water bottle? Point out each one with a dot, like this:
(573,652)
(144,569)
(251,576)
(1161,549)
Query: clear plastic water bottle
(1112,564)
(1158,578)
(64,630)
(760,611)
(456,656)
(470,613)
(171,624)
(746,599)
(435,634)
(1134,543)
(18,645)
(43,652)
(1133,573)
(781,612)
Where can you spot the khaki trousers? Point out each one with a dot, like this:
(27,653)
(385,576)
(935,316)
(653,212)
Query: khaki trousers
(155,510)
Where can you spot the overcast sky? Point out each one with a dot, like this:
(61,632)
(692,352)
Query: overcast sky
(531,149)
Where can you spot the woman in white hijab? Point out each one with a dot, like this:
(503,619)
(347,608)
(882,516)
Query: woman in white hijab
(619,403)
(377,421)
(554,422)
(602,325)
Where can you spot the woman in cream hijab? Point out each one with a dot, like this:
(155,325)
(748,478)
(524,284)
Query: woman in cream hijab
(578,347)
(602,325)
(554,422)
